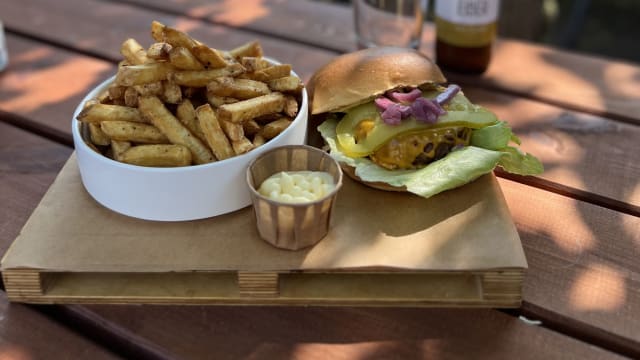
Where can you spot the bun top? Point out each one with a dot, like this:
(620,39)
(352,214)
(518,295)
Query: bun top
(357,77)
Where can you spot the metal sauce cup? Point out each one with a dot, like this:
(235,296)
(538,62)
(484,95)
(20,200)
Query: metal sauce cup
(292,226)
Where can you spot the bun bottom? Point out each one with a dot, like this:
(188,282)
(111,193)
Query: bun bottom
(351,172)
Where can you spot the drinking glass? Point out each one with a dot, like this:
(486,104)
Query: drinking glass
(4,56)
(389,22)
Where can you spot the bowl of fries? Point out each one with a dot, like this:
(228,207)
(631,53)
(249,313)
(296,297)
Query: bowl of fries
(170,136)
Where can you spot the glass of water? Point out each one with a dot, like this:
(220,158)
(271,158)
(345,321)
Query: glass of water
(389,22)
(4,57)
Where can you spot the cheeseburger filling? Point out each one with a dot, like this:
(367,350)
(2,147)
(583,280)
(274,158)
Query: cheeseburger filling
(410,128)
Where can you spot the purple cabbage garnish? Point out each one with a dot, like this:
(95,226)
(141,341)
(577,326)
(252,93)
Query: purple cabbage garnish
(383,103)
(405,97)
(448,94)
(394,113)
(412,103)
(426,110)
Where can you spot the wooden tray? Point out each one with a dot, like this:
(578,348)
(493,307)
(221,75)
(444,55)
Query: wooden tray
(459,248)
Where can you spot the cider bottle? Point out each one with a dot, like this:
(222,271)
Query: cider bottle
(465,30)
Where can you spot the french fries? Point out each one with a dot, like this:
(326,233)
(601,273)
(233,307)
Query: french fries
(182,58)
(197,78)
(102,112)
(242,111)
(133,52)
(157,155)
(274,128)
(153,108)
(209,57)
(143,74)
(213,132)
(237,88)
(134,132)
(180,102)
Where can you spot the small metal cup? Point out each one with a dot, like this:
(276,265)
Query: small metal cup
(292,226)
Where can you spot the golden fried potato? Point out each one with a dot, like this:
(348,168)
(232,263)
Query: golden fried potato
(143,74)
(157,155)
(186,113)
(252,48)
(182,58)
(118,148)
(133,52)
(213,132)
(210,58)
(133,132)
(251,108)
(159,51)
(237,88)
(274,128)
(198,78)
(161,117)
(98,137)
(286,84)
(103,112)
(241,146)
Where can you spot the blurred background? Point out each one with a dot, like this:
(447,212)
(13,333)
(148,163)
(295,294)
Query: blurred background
(604,27)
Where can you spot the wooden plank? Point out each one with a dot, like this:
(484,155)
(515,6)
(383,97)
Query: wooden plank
(583,264)
(28,165)
(43,85)
(27,334)
(343,333)
(598,85)
(307,22)
(589,153)
(102,30)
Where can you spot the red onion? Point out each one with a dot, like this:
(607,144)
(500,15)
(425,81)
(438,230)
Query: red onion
(448,94)
(405,97)
(395,113)
(383,103)
(412,103)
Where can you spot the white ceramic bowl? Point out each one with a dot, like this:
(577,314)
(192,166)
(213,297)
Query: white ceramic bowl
(173,194)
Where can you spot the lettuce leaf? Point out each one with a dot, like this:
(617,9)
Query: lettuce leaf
(456,169)
(493,137)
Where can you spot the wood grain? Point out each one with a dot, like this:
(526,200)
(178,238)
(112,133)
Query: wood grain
(103,29)
(43,85)
(27,334)
(586,152)
(342,333)
(582,263)
(28,165)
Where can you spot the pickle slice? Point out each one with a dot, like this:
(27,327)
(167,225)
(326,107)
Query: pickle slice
(359,146)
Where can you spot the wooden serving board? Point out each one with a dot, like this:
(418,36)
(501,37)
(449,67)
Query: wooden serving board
(459,248)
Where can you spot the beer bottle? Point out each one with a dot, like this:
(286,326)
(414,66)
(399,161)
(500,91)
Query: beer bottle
(465,30)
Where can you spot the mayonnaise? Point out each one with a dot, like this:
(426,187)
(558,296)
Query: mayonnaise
(297,186)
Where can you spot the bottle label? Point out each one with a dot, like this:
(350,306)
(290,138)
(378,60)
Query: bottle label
(466,23)
(468,12)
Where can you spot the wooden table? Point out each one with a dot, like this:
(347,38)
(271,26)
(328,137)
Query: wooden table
(579,221)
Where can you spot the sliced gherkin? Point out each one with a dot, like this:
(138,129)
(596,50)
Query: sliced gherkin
(356,143)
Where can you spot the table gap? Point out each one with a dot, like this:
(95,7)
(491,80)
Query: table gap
(33,127)
(577,329)
(102,332)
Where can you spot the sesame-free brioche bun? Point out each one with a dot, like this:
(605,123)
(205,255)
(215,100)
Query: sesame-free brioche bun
(358,77)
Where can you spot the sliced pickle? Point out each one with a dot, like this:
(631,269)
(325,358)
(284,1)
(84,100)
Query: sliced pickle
(380,133)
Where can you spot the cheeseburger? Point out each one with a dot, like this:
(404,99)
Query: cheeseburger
(391,121)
